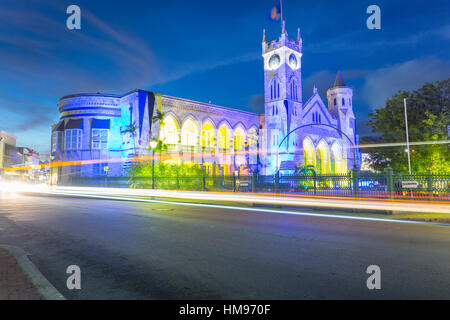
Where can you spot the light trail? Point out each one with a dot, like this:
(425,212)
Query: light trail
(196,155)
(400,144)
(237,208)
(252,198)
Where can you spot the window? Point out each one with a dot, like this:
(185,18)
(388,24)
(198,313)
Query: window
(294,91)
(60,138)
(343,101)
(274,138)
(100,139)
(73,139)
(274,89)
(317,117)
(99,169)
(54,140)
(335,101)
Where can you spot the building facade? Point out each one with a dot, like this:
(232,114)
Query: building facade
(101,134)
(8,154)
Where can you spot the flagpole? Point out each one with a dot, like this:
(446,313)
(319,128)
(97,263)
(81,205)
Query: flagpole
(281,9)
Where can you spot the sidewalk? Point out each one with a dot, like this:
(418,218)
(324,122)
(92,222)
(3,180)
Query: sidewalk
(14,284)
(21,280)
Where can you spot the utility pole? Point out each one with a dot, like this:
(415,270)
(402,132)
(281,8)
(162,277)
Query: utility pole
(407,137)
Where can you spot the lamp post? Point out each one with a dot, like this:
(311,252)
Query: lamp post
(106,168)
(153,145)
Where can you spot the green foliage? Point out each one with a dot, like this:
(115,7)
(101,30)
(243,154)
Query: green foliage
(428,118)
(130,129)
(305,170)
(167,176)
(160,148)
(159,117)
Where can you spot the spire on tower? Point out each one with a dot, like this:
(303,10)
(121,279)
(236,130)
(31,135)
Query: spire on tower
(339,82)
(264,35)
(283,27)
(298,35)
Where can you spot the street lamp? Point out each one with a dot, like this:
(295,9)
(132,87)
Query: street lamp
(153,145)
(106,168)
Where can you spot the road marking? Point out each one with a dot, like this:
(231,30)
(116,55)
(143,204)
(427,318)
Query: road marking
(322,215)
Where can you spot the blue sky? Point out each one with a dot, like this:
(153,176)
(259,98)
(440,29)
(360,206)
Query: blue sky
(208,50)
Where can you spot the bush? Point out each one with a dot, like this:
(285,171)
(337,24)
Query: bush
(167,176)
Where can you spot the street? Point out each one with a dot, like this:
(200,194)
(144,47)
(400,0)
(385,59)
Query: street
(132,250)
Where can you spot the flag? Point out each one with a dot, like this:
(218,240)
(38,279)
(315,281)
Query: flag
(275,13)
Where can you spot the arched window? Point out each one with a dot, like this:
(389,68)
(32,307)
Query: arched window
(335,101)
(294,90)
(343,102)
(274,89)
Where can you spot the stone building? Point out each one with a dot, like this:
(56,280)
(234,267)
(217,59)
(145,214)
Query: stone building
(94,136)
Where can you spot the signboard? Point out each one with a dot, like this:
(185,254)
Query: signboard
(410,184)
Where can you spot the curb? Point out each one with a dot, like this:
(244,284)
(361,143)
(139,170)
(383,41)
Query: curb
(42,285)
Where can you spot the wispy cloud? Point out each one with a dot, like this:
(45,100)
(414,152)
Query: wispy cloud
(352,41)
(383,83)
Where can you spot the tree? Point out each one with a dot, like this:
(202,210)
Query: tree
(159,117)
(160,147)
(428,121)
(131,129)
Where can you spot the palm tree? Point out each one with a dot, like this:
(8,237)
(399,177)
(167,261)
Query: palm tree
(131,129)
(159,117)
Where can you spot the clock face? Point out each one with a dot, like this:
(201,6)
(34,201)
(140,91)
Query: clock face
(274,61)
(293,61)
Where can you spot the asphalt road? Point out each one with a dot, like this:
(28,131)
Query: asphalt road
(129,250)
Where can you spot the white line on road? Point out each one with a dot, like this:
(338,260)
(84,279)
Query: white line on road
(322,215)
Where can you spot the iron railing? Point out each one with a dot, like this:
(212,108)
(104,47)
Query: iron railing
(424,186)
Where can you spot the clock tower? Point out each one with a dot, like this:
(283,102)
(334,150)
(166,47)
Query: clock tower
(283,99)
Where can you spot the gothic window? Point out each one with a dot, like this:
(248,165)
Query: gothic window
(294,90)
(335,101)
(274,89)
(274,137)
(343,102)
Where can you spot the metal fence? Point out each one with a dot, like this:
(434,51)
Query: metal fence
(425,186)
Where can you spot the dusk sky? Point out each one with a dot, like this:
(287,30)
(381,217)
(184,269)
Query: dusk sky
(208,50)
